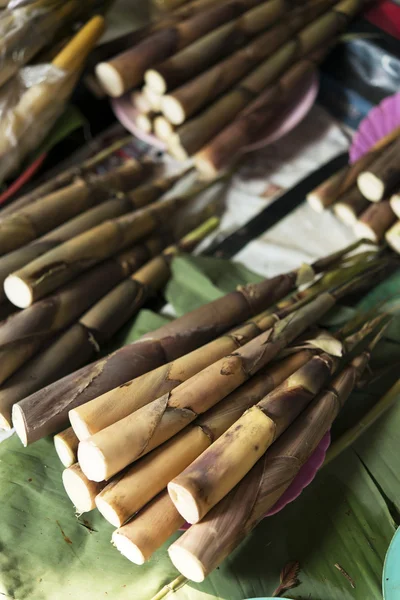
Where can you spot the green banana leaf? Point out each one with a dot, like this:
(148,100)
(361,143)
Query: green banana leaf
(346,517)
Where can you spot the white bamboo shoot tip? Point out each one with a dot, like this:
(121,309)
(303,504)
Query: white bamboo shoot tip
(92,461)
(128,548)
(19,424)
(184,502)
(65,454)
(108,512)
(18,292)
(371,186)
(315,202)
(110,79)
(77,490)
(79,426)
(187,563)
(173,110)
(345,213)
(155,82)
(364,231)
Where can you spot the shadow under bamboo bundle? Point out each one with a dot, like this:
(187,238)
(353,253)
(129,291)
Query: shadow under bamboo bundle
(87,336)
(382,175)
(204,546)
(131,490)
(126,70)
(66,446)
(46,273)
(183,102)
(375,221)
(110,450)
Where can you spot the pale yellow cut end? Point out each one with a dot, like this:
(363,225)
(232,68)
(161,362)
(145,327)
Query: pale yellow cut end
(128,548)
(77,491)
(172,109)
(155,81)
(364,231)
(144,123)
(65,454)
(5,423)
(108,512)
(18,421)
(315,202)
(80,427)
(18,292)
(184,502)
(345,213)
(163,129)
(110,79)
(395,204)
(186,563)
(92,461)
(205,166)
(393,237)
(370,186)
(176,149)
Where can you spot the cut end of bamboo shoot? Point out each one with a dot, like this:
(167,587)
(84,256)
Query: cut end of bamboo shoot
(155,82)
(345,213)
(176,149)
(80,491)
(18,292)
(371,186)
(81,428)
(187,563)
(65,452)
(109,513)
(205,166)
(92,461)
(110,79)
(173,110)
(393,237)
(364,232)
(163,129)
(185,502)
(315,202)
(5,423)
(395,204)
(18,421)
(128,548)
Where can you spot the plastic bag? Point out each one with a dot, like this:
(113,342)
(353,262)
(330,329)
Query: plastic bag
(30,103)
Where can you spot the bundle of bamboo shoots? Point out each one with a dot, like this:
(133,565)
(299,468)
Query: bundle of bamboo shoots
(213,70)
(375,178)
(31,109)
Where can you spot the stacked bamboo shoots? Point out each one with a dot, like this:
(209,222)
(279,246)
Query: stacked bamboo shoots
(223,74)
(365,195)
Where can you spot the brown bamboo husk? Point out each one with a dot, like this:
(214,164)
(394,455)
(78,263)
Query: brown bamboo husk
(183,102)
(349,206)
(203,547)
(130,491)
(215,473)
(80,490)
(92,416)
(324,195)
(393,237)
(110,450)
(109,209)
(245,130)
(395,204)
(217,44)
(61,264)
(126,70)
(375,221)
(66,445)
(78,344)
(67,176)
(194,134)
(140,102)
(49,212)
(141,537)
(382,175)
(25,332)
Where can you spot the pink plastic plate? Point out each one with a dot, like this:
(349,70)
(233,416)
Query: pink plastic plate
(380,121)
(291,114)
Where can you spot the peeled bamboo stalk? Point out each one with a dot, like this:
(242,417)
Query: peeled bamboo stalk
(110,450)
(194,134)
(141,537)
(66,177)
(352,434)
(47,213)
(66,445)
(132,489)
(217,44)
(393,237)
(46,273)
(246,128)
(324,195)
(126,70)
(349,206)
(92,416)
(205,545)
(80,490)
(123,203)
(395,204)
(382,175)
(183,102)
(375,221)
(25,332)
(215,473)
(86,337)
